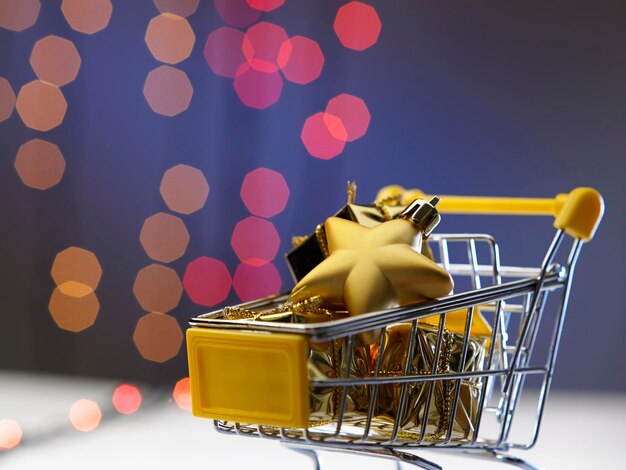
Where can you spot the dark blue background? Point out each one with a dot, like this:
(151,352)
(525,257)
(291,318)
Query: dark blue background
(482,98)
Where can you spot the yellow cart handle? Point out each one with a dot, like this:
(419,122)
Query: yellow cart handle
(578,213)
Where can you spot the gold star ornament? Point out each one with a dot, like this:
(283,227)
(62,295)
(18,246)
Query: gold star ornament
(377,268)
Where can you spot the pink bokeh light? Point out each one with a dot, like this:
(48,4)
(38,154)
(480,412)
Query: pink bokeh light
(207,281)
(265,5)
(255,241)
(263,43)
(353,113)
(253,282)
(223,52)
(256,88)
(301,60)
(237,12)
(357,26)
(324,136)
(126,399)
(264,192)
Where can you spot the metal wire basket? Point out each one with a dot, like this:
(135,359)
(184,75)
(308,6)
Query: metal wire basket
(254,378)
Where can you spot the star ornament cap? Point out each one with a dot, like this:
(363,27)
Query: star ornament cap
(371,269)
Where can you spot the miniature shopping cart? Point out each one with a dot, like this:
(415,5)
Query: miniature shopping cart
(254,378)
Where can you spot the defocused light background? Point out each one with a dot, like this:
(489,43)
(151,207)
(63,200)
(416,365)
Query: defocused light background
(158,156)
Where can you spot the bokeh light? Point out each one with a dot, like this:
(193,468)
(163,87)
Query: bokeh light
(184,189)
(17,15)
(222,51)
(207,281)
(126,399)
(182,394)
(73,313)
(164,237)
(158,337)
(157,288)
(7,99)
(263,43)
(353,113)
(10,431)
(87,16)
(254,282)
(301,60)
(41,105)
(168,90)
(264,192)
(255,241)
(85,415)
(357,26)
(236,12)
(78,265)
(170,38)
(265,5)
(177,7)
(257,89)
(324,136)
(55,60)
(39,164)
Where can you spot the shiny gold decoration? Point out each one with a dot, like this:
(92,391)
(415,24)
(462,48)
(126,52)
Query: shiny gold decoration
(373,269)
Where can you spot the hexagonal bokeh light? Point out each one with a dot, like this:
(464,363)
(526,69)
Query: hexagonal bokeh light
(324,136)
(265,5)
(85,415)
(7,99)
(223,52)
(76,265)
(17,15)
(264,192)
(164,237)
(301,60)
(177,7)
(73,313)
(157,288)
(182,394)
(126,399)
(254,282)
(87,16)
(158,337)
(39,164)
(41,105)
(353,113)
(184,189)
(207,281)
(168,90)
(262,45)
(55,60)
(255,241)
(256,88)
(170,38)
(357,26)
(10,434)
(236,12)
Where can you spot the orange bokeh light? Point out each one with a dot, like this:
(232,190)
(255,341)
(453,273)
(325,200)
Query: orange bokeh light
(157,288)
(85,415)
(73,313)
(265,5)
(301,60)
(41,105)
(7,99)
(177,7)
(353,113)
(184,189)
(222,51)
(87,16)
(164,237)
(262,44)
(170,38)
(17,15)
(168,90)
(182,394)
(324,136)
(357,26)
(55,60)
(158,337)
(76,265)
(126,399)
(39,164)
(10,434)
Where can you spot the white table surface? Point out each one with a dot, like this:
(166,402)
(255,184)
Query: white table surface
(580,431)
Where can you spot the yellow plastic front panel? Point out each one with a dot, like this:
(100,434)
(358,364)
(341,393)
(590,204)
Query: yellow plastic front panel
(249,377)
